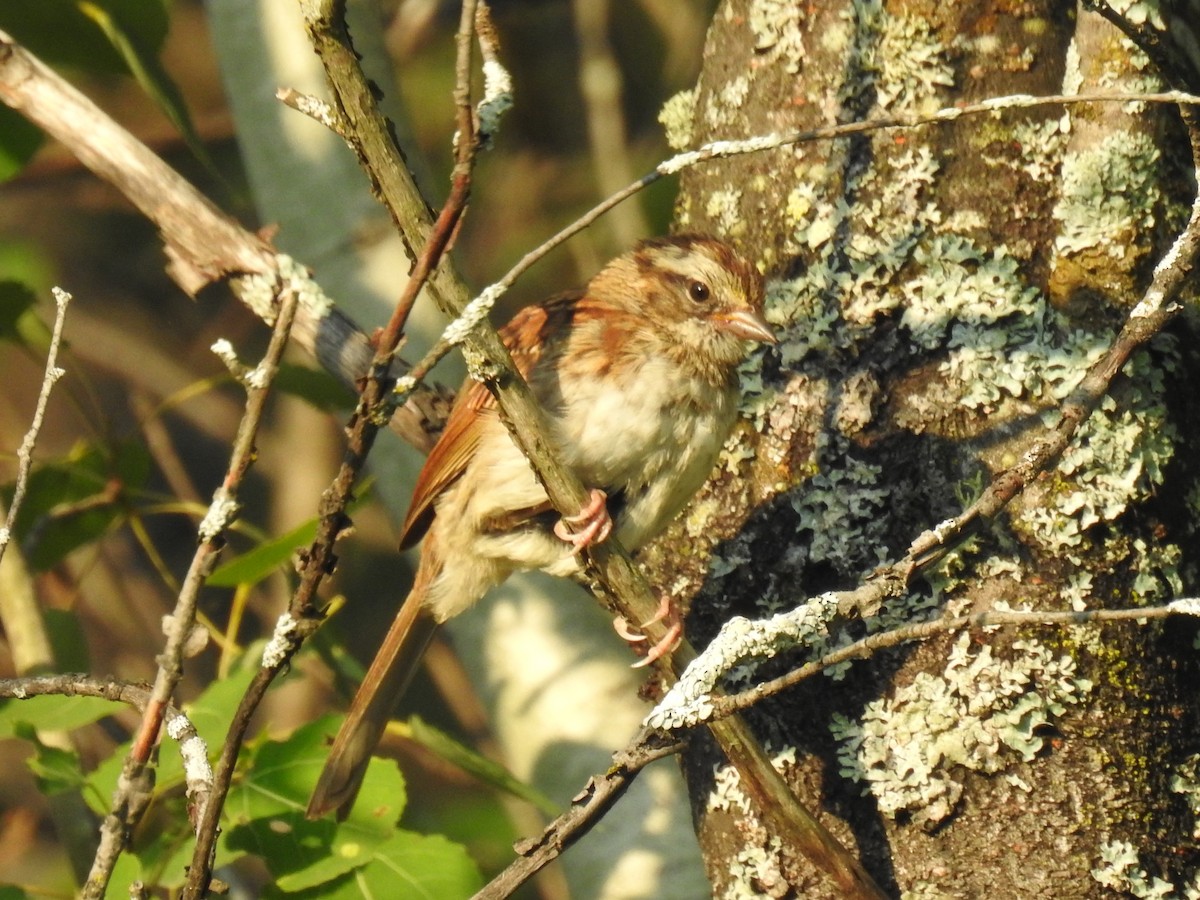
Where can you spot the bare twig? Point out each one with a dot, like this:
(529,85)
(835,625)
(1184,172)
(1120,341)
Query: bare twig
(127,805)
(25,451)
(203,244)
(302,616)
(592,802)
(197,773)
(652,743)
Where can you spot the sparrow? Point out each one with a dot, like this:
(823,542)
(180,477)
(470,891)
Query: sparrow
(637,375)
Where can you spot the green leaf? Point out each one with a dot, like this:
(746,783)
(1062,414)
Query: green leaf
(61,33)
(254,565)
(481,767)
(56,770)
(269,804)
(141,58)
(127,870)
(210,714)
(67,640)
(73,501)
(12,892)
(315,386)
(53,713)
(408,865)
(19,140)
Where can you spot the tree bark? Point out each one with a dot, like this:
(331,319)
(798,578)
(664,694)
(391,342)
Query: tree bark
(941,291)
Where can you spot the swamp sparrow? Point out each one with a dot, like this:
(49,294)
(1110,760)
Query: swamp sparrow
(637,377)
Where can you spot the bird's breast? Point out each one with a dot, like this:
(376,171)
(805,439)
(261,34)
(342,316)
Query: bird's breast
(652,438)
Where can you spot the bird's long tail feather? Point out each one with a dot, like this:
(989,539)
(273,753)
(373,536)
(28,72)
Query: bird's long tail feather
(394,665)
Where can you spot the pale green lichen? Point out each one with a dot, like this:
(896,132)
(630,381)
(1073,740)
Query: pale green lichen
(1119,869)
(1186,781)
(778,33)
(1140,12)
(723,207)
(677,117)
(1118,457)
(843,511)
(755,872)
(723,108)
(1040,145)
(909,63)
(1108,195)
(981,714)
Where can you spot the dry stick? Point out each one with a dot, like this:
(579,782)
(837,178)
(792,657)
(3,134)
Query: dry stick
(196,771)
(127,805)
(624,584)
(303,617)
(29,442)
(919,631)
(202,243)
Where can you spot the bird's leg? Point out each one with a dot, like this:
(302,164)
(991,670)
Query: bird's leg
(666,612)
(591,525)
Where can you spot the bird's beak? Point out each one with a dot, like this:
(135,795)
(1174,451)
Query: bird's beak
(747,325)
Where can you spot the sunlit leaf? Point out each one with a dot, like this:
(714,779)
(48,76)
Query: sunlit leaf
(53,713)
(59,32)
(19,321)
(268,806)
(55,769)
(413,866)
(74,500)
(255,565)
(138,50)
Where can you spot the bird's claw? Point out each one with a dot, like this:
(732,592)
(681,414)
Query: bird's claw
(591,525)
(661,648)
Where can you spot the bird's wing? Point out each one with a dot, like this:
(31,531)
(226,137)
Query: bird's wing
(527,336)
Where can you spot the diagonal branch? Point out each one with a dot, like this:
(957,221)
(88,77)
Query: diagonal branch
(624,585)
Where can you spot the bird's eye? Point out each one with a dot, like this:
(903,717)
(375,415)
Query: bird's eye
(698,291)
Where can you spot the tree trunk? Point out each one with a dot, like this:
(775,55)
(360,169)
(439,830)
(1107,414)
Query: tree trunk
(940,291)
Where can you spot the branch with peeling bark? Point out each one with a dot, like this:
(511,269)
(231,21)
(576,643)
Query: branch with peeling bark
(135,786)
(127,803)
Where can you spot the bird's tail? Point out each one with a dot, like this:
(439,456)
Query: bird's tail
(394,665)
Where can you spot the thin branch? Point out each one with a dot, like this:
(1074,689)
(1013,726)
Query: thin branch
(303,616)
(919,631)
(29,442)
(589,805)
(138,695)
(128,803)
(197,773)
(652,743)
(202,243)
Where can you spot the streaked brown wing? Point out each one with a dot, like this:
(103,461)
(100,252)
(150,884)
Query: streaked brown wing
(526,335)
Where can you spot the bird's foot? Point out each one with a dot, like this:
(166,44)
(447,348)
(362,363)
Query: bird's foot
(591,525)
(669,641)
